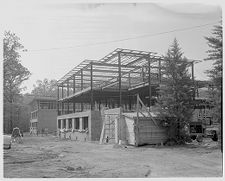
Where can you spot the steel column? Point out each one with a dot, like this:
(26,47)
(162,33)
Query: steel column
(81,82)
(129,80)
(119,76)
(57,100)
(74,84)
(193,79)
(160,71)
(74,107)
(62,107)
(68,93)
(142,72)
(74,91)
(62,91)
(91,75)
(149,80)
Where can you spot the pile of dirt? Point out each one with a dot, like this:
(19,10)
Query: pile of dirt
(206,143)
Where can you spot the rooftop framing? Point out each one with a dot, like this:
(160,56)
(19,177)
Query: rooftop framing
(105,71)
(118,72)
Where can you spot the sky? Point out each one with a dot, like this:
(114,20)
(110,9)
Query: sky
(60,34)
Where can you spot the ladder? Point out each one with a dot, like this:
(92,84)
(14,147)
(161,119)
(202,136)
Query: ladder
(108,129)
(110,125)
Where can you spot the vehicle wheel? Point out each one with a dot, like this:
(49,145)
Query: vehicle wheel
(199,138)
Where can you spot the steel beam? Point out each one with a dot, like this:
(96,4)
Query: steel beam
(114,65)
(110,71)
(134,54)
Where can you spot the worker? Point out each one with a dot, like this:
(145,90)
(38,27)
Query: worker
(21,132)
(107,139)
(42,131)
(215,136)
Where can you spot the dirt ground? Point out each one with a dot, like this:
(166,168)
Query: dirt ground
(48,156)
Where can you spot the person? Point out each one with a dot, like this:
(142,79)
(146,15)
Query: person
(215,136)
(42,131)
(46,131)
(16,135)
(107,139)
(21,132)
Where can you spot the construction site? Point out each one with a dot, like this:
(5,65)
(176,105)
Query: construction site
(112,99)
(112,102)
(105,118)
(112,89)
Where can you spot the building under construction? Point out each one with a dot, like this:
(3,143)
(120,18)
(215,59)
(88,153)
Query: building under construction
(95,95)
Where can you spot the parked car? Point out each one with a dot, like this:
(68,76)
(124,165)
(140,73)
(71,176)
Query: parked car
(7,142)
(212,131)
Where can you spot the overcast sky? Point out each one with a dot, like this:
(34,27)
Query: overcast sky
(60,34)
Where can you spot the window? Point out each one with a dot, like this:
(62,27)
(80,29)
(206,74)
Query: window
(44,105)
(77,123)
(85,122)
(59,123)
(34,115)
(34,125)
(70,123)
(64,123)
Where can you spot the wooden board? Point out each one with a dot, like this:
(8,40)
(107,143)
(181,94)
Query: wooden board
(148,132)
(129,130)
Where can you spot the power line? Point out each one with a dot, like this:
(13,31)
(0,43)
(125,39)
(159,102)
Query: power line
(126,39)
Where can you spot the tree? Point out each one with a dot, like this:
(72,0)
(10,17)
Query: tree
(215,54)
(14,74)
(176,93)
(45,88)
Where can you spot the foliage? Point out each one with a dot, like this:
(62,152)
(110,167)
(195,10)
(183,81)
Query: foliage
(215,54)
(19,113)
(45,88)
(14,72)
(176,93)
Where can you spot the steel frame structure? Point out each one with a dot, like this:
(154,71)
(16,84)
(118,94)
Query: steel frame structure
(118,75)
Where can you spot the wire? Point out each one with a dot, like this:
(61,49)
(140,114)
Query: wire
(131,38)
